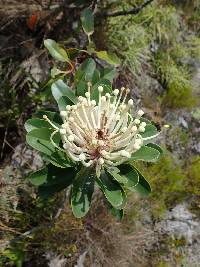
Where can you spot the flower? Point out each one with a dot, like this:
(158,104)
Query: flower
(101,134)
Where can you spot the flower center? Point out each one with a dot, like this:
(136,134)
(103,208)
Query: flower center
(100,134)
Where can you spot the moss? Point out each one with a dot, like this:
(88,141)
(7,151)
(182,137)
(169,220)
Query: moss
(175,242)
(184,137)
(179,96)
(179,140)
(194,44)
(167,181)
(193,182)
(172,181)
(179,87)
(163,264)
(179,51)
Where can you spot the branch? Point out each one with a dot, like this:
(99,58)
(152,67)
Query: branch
(94,6)
(24,235)
(133,11)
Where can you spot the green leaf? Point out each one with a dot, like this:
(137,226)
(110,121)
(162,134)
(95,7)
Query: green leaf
(39,177)
(90,47)
(96,76)
(124,202)
(146,153)
(15,255)
(108,74)
(143,187)
(115,172)
(81,192)
(145,120)
(126,175)
(40,140)
(81,88)
(46,93)
(63,94)
(155,147)
(107,88)
(87,20)
(111,189)
(52,179)
(53,116)
(63,102)
(85,71)
(131,179)
(150,132)
(59,159)
(111,59)
(59,89)
(119,214)
(36,123)
(56,51)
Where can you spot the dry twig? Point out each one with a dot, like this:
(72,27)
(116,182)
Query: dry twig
(132,11)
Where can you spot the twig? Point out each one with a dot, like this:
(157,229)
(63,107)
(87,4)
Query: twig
(49,4)
(14,149)
(39,3)
(3,184)
(24,235)
(94,6)
(8,229)
(132,11)
(7,143)
(62,205)
(4,139)
(7,24)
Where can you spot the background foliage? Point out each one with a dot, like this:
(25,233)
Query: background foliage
(158,50)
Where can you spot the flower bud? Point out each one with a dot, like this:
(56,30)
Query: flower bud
(100,89)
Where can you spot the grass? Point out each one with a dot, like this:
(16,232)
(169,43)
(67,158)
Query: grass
(130,41)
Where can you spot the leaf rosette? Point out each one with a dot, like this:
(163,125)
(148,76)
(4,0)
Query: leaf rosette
(95,138)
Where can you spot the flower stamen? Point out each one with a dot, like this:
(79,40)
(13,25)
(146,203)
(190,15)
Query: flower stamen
(103,133)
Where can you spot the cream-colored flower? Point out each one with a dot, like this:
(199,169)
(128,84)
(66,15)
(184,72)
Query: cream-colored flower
(103,133)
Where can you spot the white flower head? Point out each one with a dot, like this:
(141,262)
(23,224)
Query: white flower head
(104,133)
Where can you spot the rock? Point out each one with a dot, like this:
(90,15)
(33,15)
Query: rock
(197,147)
(81,260)
(149,87)
(37,66)
(183,122)
(181,223)
(55,261)
(196,80)
(26,159)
